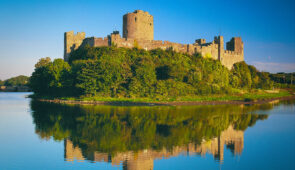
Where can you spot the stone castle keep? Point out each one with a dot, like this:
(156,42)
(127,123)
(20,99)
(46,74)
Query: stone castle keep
(138,31)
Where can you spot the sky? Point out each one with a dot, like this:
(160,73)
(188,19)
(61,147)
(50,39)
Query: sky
(32,29)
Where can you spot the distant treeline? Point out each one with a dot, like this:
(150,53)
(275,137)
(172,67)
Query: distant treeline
(284,79)
(15,81)
(122,72)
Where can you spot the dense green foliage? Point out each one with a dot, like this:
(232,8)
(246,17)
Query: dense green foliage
(283,80)
(121,72)
(16,81)
(112,129)
(50,77)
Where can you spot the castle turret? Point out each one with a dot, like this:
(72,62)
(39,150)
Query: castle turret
(72,42)
(138,25)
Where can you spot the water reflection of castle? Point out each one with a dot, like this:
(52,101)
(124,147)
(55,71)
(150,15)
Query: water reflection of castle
(144,159)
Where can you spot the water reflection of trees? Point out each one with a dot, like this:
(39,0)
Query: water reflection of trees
(113,130)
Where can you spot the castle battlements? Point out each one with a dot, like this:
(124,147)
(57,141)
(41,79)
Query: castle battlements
(138,31)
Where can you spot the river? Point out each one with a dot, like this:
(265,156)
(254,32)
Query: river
(39,135)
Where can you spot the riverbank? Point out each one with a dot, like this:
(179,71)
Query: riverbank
(14,89)
(247,98)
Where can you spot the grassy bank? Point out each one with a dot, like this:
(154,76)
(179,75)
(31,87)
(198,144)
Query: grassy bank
(241,96)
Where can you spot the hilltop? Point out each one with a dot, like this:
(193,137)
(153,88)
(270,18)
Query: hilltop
(111,73)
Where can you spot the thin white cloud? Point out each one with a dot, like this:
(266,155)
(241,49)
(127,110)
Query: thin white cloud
(274,67)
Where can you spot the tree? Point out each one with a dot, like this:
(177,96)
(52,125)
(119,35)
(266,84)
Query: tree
(142,83)
(163,72)
(265,81)
(87,78)
(241,70)
(57,71)
(40,79)
(43,62)
(49,77)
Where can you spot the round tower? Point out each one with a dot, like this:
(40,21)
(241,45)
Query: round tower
(138,25)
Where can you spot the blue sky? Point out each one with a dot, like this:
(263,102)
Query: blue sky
(32,29)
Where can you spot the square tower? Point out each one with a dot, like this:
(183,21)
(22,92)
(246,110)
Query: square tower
(71,42)
(235,44)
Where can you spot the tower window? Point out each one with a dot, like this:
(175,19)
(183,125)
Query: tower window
(135,19)
(150,24)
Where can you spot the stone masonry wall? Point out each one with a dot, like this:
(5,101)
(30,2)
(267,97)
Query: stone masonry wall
(138,25)
(234,52)
(72,42)
(96,42)
(138,31)
(213,50)
(230,58)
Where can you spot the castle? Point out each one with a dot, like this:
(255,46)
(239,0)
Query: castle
(138,31)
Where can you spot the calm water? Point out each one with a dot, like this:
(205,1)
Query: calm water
(36,135)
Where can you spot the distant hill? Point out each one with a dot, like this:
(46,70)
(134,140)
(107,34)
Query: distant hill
(15,81)
(15,84)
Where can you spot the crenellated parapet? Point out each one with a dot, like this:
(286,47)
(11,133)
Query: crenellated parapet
(71,42)
(138,32)
(138,25)
(235,44)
